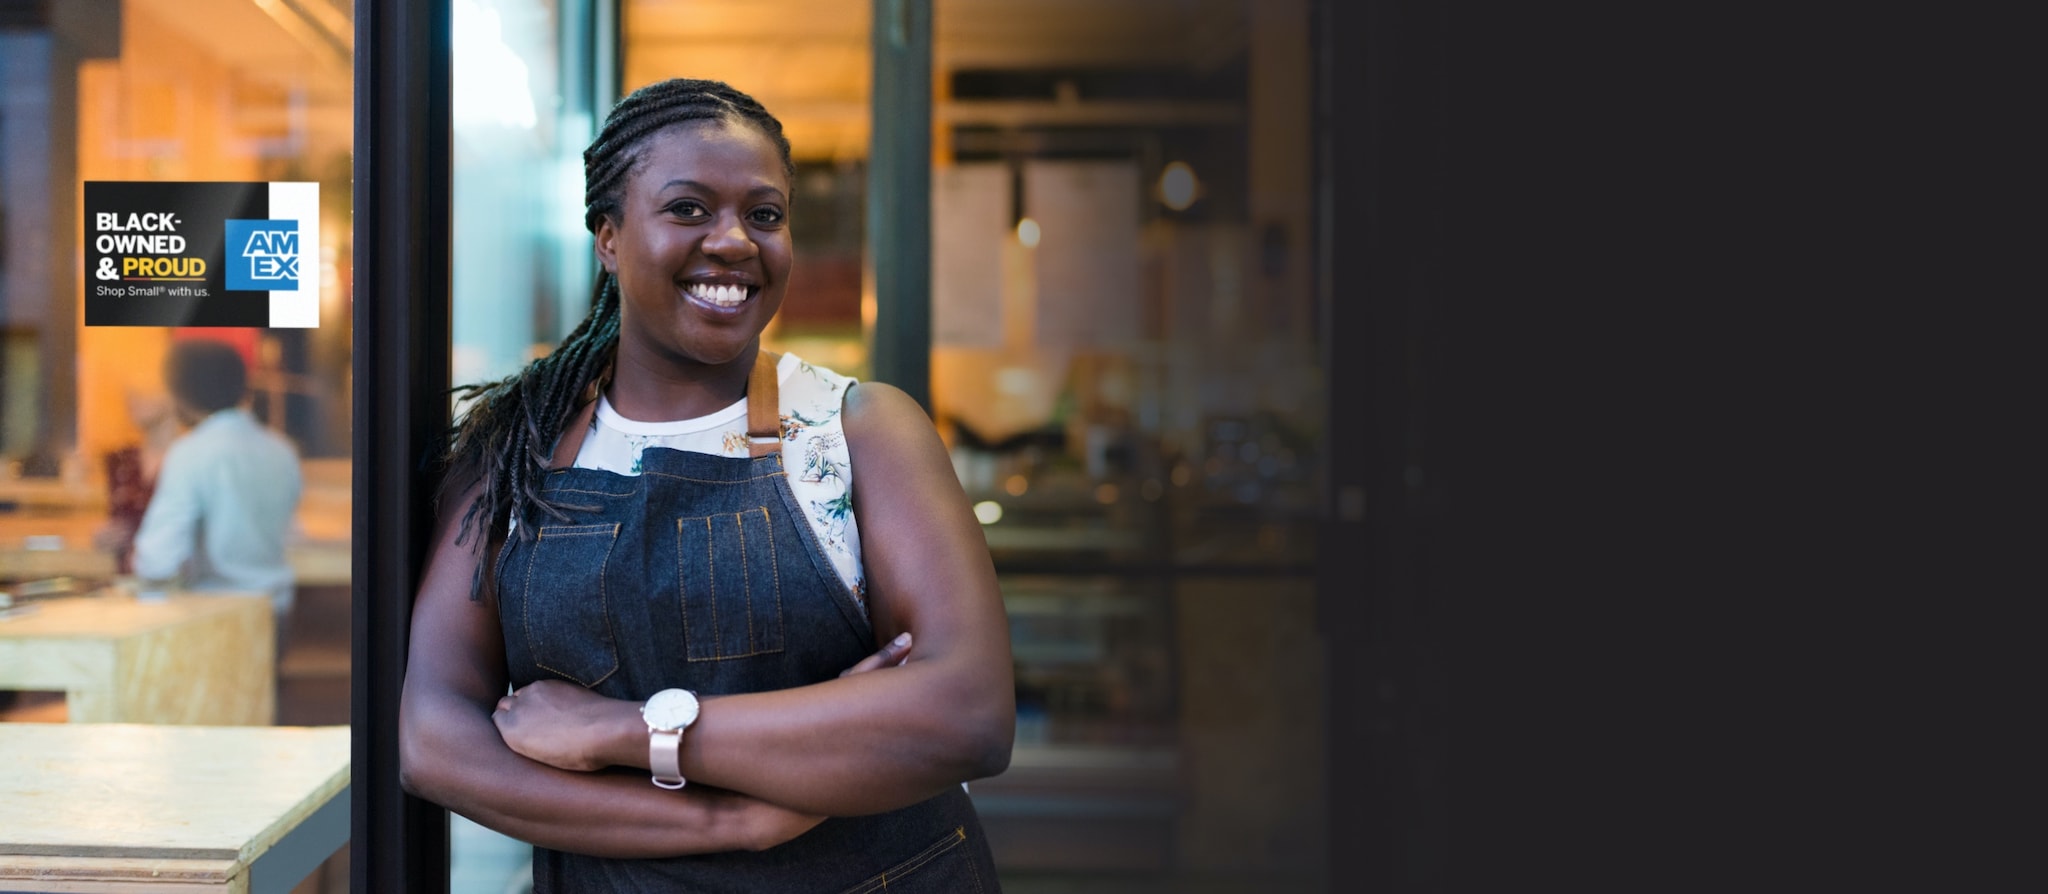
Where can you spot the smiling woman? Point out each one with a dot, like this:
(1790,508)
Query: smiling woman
(631,585)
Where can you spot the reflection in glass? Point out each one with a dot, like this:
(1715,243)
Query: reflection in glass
(164,91)
(522,262)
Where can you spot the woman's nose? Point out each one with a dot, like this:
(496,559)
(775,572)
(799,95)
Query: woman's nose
(728,241)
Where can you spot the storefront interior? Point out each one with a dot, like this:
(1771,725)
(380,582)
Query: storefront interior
(1120,329)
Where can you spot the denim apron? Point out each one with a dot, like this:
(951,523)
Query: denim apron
(701,574)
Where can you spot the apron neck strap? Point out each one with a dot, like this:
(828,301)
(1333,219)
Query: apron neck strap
(764,410)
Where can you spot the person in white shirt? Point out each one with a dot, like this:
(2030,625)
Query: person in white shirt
(227,491)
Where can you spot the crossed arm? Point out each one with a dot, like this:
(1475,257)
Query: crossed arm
(564,768)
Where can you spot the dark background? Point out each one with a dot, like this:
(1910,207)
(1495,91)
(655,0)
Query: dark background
(1714,369)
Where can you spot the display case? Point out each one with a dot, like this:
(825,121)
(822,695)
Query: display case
(1128,566)
(1094,778)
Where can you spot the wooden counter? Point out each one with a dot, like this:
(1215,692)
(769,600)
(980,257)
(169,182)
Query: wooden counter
(185,660)
(47,526)
(143,808)
(51,493)
(46,544)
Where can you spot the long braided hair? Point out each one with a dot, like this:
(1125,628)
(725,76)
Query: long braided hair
(503,442)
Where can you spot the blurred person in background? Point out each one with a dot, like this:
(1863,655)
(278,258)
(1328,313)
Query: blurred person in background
(224,500)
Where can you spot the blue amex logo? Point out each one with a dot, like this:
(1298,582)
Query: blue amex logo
(263,255)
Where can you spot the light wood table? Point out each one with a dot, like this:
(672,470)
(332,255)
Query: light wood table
(184,660)
(46,544)
(110,808)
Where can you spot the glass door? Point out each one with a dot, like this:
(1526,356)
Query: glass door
(176,268)
(529,80)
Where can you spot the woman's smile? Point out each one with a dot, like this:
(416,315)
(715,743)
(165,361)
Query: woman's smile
(720,297)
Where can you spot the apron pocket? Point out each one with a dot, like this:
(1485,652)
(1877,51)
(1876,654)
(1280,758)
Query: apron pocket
(568,626)
(731,588)
(945,867)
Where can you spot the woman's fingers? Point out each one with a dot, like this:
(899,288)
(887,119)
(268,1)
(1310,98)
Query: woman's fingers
(891,654)
(894,651)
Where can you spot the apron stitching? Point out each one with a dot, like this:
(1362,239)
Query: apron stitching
(526,601)
(916,862)
(706,480)
(739,523)
(775,566)
(578,490)
(682,587)
(605,608)
(822,563)
(711,565)
(526,606)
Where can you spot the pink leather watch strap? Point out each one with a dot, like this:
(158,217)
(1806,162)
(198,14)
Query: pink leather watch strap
(664,757)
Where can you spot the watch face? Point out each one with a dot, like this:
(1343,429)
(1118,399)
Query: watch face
(670,709)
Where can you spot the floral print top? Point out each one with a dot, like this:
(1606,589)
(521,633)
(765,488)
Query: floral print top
(814,450)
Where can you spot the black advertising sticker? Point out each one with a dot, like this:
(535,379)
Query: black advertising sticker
(202,254)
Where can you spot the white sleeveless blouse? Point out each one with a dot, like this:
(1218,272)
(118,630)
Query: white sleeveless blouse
(814,452)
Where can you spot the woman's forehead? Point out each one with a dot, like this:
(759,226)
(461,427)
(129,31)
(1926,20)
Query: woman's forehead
(711,142)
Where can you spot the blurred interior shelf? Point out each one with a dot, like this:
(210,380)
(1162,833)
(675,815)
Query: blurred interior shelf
(1019,537)
(1077,807)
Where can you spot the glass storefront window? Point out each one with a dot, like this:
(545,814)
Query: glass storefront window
(525,102)
(1124,366)
(158,92)
(522,261)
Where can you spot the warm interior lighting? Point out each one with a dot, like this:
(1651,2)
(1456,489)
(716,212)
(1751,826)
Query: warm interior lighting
(1016,485)
(1027,232)
(1178,186)
(321,28)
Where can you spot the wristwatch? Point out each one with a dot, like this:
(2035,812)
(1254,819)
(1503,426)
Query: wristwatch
(668,713)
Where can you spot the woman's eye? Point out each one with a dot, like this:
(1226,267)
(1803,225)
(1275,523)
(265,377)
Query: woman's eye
(766,216)
(686,209)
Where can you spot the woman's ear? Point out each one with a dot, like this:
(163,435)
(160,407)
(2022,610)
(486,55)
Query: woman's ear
(607,254)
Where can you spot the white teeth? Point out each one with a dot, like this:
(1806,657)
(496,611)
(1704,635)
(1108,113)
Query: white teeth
(723,296)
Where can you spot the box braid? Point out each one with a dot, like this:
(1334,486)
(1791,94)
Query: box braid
(505,439)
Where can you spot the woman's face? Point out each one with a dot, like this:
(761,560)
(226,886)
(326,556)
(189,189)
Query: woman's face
(701,248)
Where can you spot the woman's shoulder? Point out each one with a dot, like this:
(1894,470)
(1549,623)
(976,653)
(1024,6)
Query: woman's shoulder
(814,395)
(878,410)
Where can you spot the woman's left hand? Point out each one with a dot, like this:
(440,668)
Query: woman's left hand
(565,725)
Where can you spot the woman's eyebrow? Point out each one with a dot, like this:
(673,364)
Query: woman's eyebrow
(757,192)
